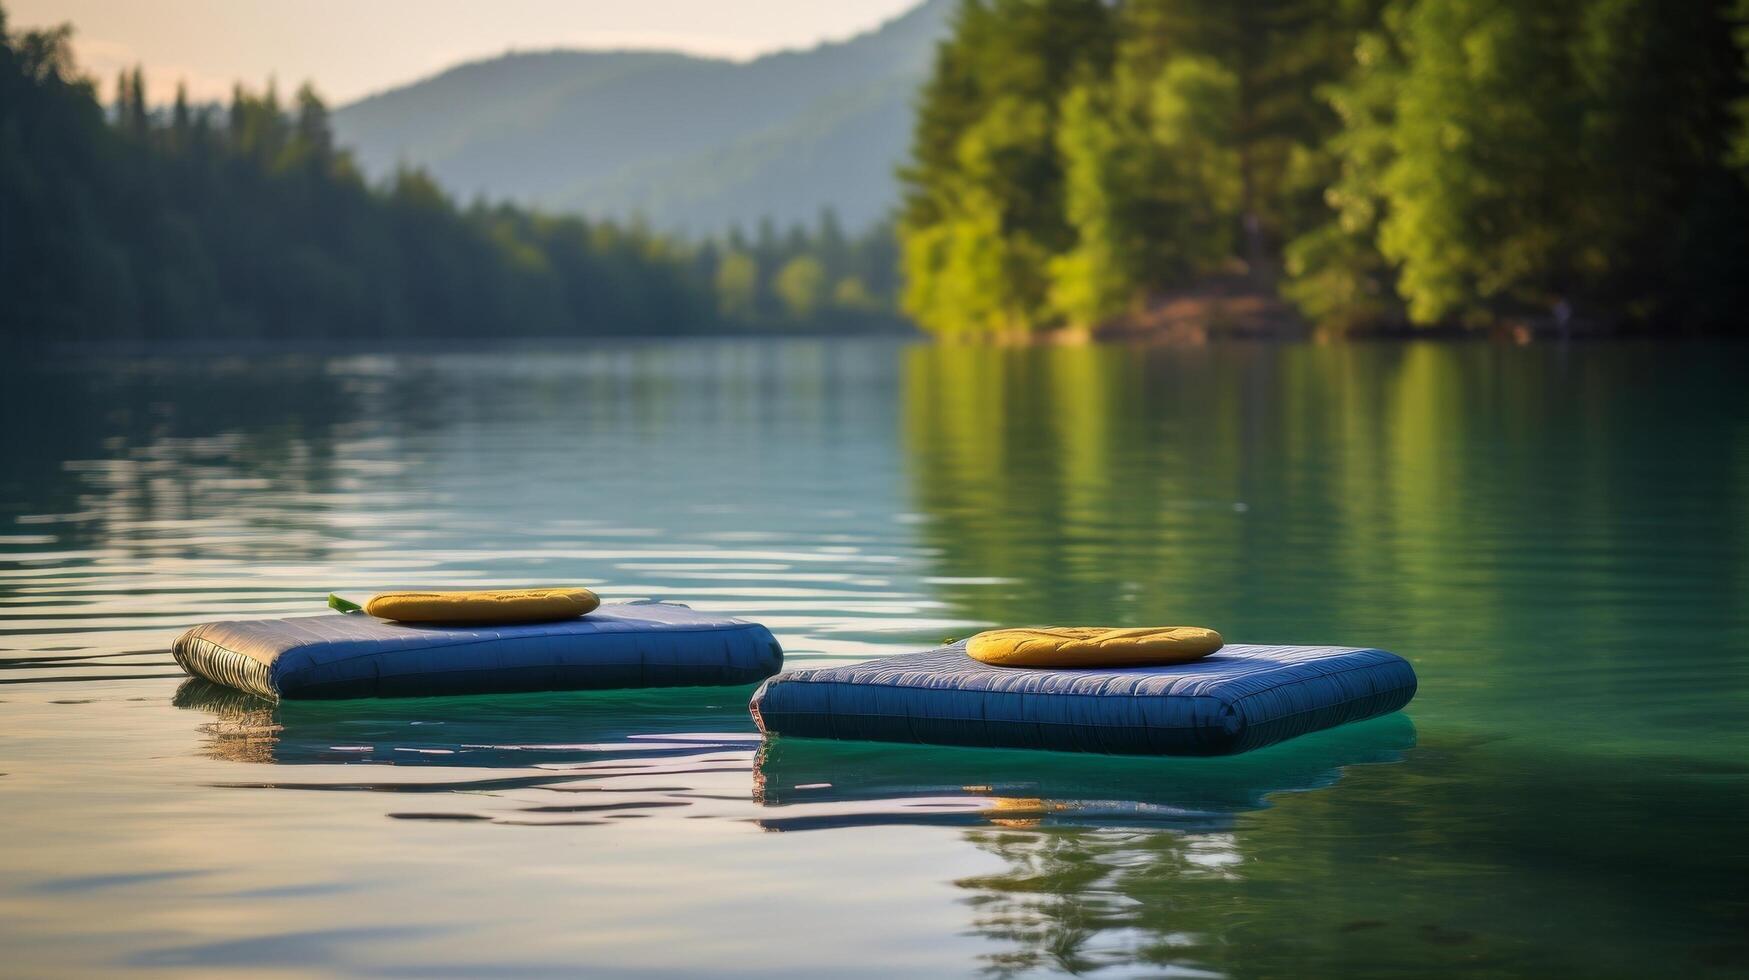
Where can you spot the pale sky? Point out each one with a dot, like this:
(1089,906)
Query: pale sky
(351,48)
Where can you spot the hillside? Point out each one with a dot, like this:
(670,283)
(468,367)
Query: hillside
(690,143)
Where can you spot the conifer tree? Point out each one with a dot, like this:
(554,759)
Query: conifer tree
(179,115)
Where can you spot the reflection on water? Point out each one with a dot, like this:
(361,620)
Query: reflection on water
(499,731)
(819,783)
(1402,871)
(639,740)
(1517,522)
(1558,540)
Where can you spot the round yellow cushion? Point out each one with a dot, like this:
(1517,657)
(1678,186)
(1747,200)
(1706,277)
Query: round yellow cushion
(503,606)
(1093,646)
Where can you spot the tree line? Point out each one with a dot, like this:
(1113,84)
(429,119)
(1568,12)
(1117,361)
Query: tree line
(1376,163)
(800,274)
(246,222)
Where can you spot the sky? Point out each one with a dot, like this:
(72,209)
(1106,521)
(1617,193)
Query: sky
(352,48)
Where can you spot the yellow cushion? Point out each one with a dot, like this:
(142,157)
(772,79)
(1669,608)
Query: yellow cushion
(1093,646)
(503,606)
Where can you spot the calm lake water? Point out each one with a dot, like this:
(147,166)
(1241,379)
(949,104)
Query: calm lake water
(1558,539)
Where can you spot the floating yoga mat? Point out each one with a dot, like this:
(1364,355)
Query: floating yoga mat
(1242,698)
(358,656)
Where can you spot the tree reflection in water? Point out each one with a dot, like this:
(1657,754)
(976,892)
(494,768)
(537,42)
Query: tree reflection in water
(1103,853)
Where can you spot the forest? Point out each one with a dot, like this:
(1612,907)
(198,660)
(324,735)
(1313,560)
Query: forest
(1370,165)
(247,223)
(1077,166)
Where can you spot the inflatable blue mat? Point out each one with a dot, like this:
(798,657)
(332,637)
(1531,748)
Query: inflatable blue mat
(1242,698)
(357,656)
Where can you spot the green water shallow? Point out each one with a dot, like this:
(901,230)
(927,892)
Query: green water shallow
(1558,539)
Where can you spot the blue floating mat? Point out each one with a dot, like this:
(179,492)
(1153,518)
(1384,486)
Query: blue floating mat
(1242,698)
(357,656)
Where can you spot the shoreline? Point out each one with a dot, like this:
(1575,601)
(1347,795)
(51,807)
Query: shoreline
(150,350)
(1204,317)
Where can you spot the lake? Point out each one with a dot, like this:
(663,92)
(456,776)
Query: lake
(1556,537)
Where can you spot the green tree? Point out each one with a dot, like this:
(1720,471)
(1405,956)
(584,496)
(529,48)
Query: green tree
(1150,185)
(137,120)
(851,294)
(1739,152)
(132,226)
(1485,174)
(737,285)
(1542,152)
(181,117)
(1049,187)
(831,244)
(1336,274)
(1095,278)
(801,284)
(1278,53)
(314,131)
(983,207)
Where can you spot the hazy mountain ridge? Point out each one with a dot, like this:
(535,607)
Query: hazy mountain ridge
(690,143)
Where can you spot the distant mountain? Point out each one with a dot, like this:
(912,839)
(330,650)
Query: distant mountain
(692,144)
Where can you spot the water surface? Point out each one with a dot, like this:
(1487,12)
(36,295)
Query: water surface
(1557,538)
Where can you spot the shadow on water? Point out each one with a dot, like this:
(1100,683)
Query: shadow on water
(647,745)
(513,731)
(654,745)
(818,784)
